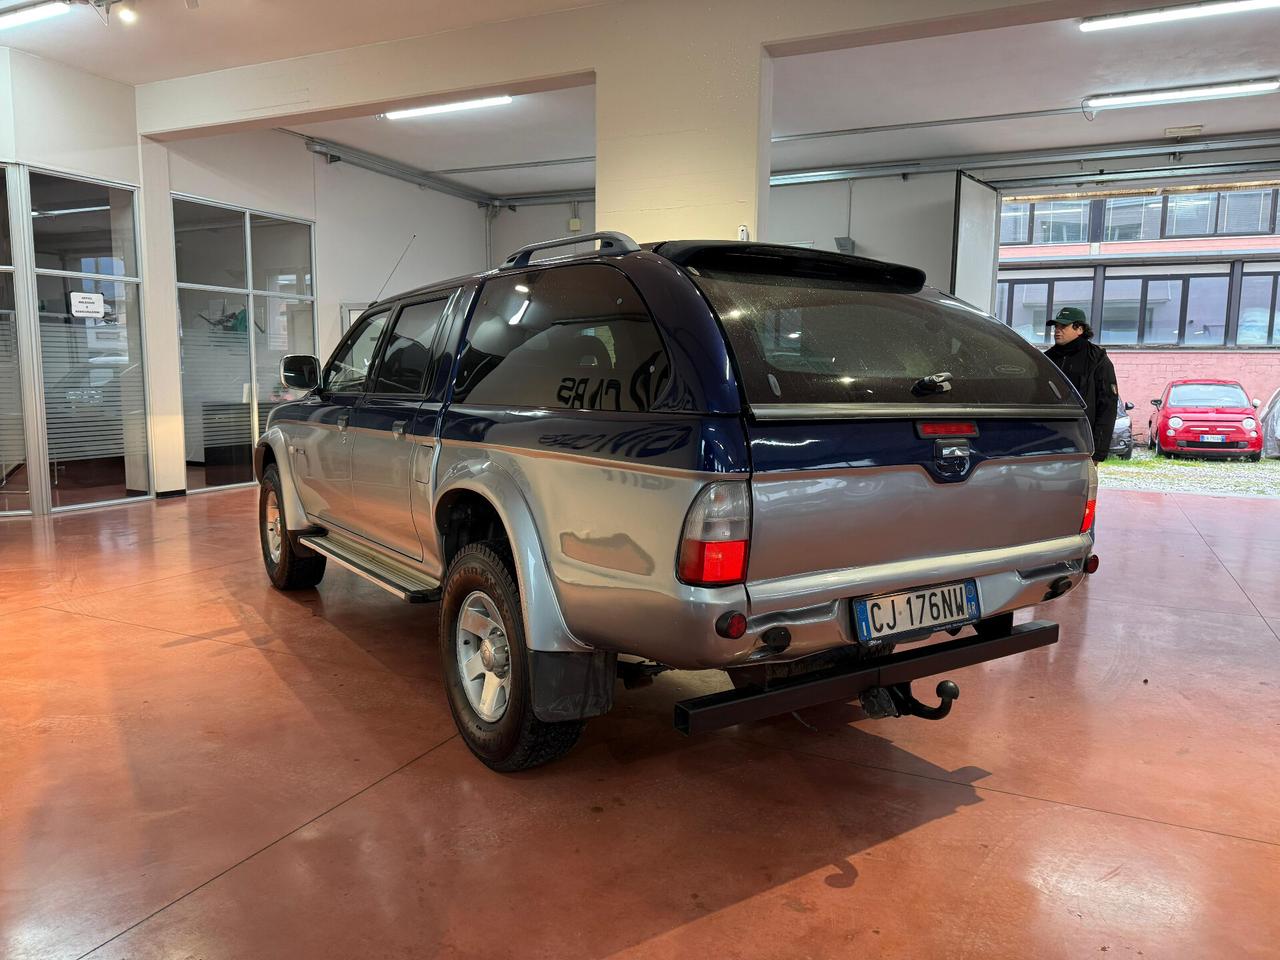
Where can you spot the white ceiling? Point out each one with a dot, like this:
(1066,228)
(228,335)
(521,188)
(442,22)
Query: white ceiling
(1025,68)
(1014,69)
(168,40)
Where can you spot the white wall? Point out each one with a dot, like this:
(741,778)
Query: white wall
(67,120)
(814,213)
(514,229)
(907,221)
(263,170)
(364,220)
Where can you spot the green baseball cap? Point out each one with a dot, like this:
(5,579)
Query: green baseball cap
(1067,316)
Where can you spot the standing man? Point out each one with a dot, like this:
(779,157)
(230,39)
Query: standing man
(1089,369)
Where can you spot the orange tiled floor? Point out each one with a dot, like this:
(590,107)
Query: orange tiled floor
(192,765)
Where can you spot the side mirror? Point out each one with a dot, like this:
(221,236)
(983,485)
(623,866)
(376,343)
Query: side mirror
(300,372)
(1256,403)
(1128,407)
(1155,403)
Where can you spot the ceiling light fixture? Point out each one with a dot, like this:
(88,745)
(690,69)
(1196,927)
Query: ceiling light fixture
(1152,98)
(447,108)
(125,12)
(32,13)
(1191,11)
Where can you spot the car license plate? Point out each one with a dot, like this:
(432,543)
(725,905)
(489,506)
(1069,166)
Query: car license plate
(1211,438)
(928,608)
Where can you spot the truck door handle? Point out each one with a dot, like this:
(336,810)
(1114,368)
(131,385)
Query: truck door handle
(344,419)
(397,429)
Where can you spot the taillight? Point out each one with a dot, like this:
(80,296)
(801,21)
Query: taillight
(1090,510)
(717,534)
(948,428)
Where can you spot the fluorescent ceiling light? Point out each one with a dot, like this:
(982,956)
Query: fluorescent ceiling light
(448,108)
(1191,11)
(1150,98)
(34,14)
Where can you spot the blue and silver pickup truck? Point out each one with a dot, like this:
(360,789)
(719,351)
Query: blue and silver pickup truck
(690,455)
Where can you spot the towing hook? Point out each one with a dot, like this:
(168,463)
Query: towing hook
(908,705)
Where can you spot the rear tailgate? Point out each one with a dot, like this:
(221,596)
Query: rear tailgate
(898,436)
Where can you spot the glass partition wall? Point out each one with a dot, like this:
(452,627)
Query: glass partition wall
(245,299)
(73,410)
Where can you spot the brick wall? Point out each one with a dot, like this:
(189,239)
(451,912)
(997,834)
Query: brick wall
(1143,374)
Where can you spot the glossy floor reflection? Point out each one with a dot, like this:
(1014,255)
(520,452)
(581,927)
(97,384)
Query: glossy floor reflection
(193,765)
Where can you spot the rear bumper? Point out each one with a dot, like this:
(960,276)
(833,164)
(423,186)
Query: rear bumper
(815,608)
(717,710)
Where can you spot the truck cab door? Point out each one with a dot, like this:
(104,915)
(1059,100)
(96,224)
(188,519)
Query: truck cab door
(394,429)
(321,447)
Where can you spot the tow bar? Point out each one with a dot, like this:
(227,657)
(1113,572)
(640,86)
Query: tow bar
(886,680)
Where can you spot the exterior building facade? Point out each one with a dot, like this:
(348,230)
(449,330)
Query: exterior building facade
(1175,284)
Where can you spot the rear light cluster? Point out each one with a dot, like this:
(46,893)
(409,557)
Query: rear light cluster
(948,428)
(1090,514)
(717,535)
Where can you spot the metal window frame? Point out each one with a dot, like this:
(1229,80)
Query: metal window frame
(249,293)
(1031,223)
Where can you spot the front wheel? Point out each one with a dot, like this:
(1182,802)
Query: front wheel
(287,568)
(486,666)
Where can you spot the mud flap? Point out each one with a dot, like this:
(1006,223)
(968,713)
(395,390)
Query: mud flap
(571,686)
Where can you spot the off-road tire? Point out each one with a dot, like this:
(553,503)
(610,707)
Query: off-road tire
(517,740)
(292,571)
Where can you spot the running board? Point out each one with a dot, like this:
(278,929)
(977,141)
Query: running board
(729,707)
(409,585)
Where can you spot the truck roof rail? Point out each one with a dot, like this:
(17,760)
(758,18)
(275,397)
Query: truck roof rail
(612,244)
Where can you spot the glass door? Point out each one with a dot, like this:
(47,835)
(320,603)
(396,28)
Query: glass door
(84,246)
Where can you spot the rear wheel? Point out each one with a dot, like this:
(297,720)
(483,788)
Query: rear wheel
(486,665)
(287,569)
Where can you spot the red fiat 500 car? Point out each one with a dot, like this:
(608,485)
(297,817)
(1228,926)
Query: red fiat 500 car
(1207,418)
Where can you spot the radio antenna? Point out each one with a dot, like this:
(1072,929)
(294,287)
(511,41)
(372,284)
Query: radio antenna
(394,269)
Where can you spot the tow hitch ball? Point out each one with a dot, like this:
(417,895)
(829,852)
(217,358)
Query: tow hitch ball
(896,700)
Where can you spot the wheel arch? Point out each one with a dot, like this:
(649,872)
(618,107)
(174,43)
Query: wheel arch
(273,448)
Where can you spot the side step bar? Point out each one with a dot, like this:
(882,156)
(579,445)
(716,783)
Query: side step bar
(717,710)
(407,584)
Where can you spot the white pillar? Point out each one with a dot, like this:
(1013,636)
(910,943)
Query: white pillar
(682,145)
(160,309)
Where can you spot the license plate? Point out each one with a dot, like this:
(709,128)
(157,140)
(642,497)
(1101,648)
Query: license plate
(931,607)
(1211,438)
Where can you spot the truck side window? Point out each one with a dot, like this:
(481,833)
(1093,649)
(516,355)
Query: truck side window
(349,368)
(576,336)
(407,356)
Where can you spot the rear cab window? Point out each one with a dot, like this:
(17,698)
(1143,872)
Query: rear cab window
(575,337)
(809,336)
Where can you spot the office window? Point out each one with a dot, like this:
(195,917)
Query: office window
(82,227)
(1132,218)
(237,320)
(1191,215)
(1060,221)
(1244,211)
(1163,313)
(1073,293)
(1014,221)
(1257,310)
(1002,301)
(1206,311)
(1121,303)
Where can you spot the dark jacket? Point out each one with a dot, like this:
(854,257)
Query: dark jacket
(1089,369)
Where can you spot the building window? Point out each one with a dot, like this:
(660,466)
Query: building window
(1132,218)
(1027,305)
(1245,212)
(1206,321)
(1060,221)
(1162,311)
(245,300)
(1191,215)
(1014,222)
(1258,307)
(1121,307)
